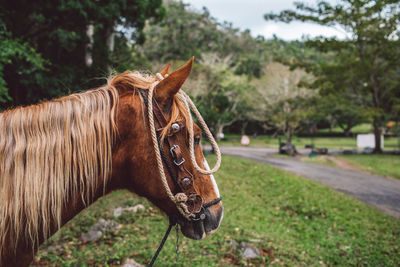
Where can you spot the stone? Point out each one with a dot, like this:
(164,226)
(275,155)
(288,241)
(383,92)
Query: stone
(105,226)
(136,208)
(97,230)
(118,211)
(91,236)
(233,243)
(249,251)
(131,263)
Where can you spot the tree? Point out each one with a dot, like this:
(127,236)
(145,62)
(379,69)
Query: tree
(76,38)
(186,32)
(365,63)
(222,97)
(281,103)
(13,50)
(339,109)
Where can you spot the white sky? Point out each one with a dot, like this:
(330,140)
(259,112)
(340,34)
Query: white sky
(249,14)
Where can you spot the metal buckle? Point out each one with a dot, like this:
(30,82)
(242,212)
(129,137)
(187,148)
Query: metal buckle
(174,155)
(179,163)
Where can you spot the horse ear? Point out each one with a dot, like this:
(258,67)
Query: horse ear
(165,70)
(168,87)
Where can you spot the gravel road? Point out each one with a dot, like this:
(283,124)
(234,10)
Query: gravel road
(380,192)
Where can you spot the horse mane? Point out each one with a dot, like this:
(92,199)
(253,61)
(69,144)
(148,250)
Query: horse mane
(53,150)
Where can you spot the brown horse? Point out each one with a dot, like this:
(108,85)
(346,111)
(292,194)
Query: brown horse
(60,156)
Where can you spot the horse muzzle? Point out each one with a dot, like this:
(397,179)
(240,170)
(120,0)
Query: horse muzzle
(206,223)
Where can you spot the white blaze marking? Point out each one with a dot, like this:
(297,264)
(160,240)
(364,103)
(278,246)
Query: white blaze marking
(212,178)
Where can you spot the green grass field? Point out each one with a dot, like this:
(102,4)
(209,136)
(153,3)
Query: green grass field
(328,142)
(293,221)
(384,165)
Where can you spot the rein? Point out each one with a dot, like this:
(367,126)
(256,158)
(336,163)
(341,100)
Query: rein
(189,203)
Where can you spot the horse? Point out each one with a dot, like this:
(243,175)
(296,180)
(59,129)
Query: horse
(58,157)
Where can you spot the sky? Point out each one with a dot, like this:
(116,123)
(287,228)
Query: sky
(249,14)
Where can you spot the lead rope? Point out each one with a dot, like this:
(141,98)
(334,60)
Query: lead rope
(161,245)
(180,198)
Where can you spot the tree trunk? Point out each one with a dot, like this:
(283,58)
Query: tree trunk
(89,46)
(243,128)
(347,130)
(332,123)
(219,132)
(288,135)
(110,32)
(377,133)
(398,140)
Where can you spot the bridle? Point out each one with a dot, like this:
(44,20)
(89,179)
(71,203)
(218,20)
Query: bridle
(189,202)
(182,178)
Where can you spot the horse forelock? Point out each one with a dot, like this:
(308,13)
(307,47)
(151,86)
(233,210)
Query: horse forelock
(133,80)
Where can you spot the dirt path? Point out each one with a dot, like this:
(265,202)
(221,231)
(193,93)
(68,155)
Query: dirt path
(344,164)
(380,192)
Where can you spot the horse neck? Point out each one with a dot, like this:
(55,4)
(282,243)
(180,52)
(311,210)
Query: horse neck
(24,253)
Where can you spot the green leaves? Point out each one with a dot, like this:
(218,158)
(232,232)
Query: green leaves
(365,65)
(14,49)
(54,34)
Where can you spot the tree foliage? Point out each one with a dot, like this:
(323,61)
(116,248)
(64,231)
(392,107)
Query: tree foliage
(57,30)
(185,32)
(280,102)
(365,63)
(12,51)
(222,96)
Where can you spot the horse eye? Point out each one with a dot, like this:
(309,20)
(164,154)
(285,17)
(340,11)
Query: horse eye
(196,140)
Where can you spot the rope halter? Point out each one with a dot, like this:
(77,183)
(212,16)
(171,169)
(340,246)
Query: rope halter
(180,199)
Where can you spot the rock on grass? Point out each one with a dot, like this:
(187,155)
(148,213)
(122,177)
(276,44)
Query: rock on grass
(97,230)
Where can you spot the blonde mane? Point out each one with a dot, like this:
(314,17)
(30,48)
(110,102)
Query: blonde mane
(56,149)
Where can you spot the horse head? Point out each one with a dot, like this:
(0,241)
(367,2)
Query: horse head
(134,159)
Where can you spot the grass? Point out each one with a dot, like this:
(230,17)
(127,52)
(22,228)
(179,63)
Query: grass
(385,165)
(293,221)
(390,143)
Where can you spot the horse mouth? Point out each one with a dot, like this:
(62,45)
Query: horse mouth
(193,230)
(198,230)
